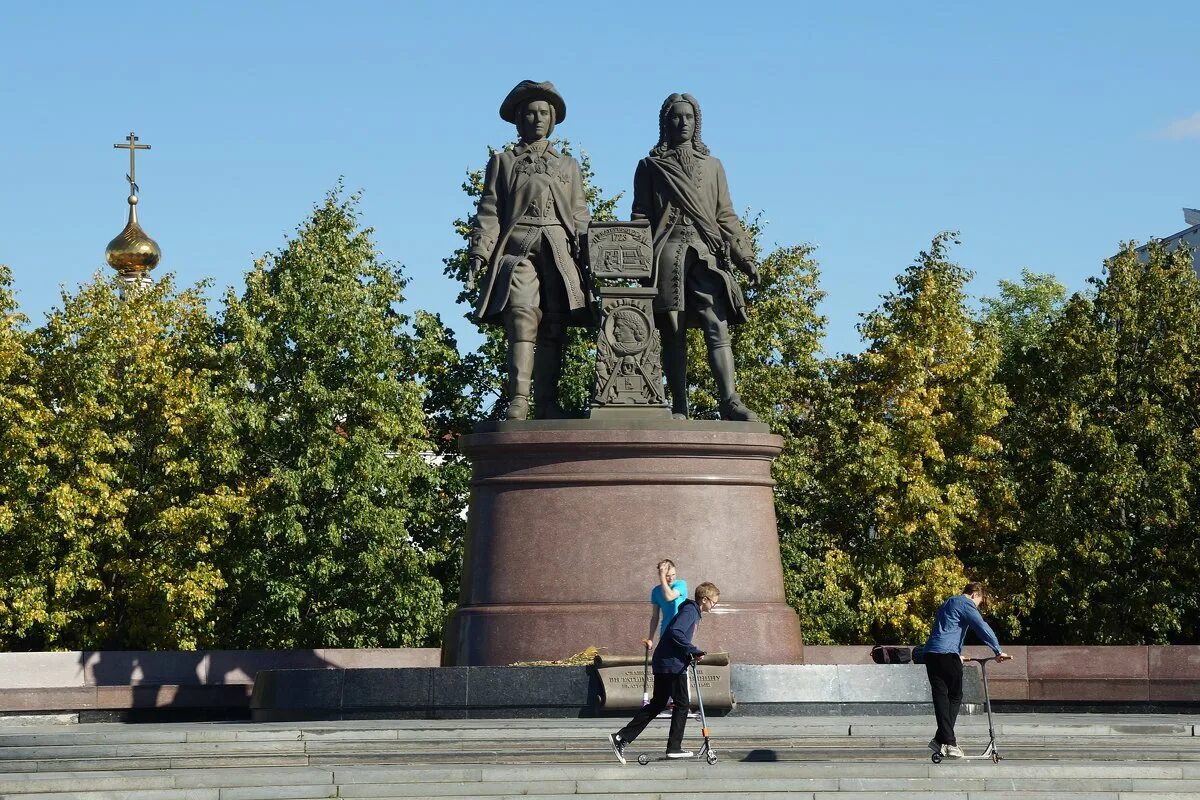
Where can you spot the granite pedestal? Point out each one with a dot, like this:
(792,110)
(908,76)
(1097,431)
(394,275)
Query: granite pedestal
(569,518)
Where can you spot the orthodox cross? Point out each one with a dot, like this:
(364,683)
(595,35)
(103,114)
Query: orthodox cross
(132,147)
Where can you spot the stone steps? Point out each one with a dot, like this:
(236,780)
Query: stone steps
(968,781)
(1073,758)
(533,730)
(313,754)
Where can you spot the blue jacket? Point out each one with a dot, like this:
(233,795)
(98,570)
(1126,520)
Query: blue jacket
(950,627)
(675,645)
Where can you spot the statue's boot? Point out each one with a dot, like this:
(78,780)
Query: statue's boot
(674,356)
(720,359)
(547,368)
(520,324)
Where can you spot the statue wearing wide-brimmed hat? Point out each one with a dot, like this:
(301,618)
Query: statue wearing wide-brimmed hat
(526,237)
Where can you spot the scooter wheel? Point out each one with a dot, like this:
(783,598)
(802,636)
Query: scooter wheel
(643,759)
(995,758)
(936,758)
(712,757)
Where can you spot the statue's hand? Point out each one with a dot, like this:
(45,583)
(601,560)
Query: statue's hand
(752,273)
(743,258)
(751,269)
(474,269)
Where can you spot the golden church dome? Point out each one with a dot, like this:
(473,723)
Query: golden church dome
(132,253)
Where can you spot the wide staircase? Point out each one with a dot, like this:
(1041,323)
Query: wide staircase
(1109,757)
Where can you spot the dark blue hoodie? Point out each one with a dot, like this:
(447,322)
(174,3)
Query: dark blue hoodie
(675,646)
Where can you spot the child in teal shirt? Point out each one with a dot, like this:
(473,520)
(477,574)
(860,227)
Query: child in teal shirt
(667,596)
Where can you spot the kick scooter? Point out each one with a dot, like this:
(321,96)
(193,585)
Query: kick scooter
(990,750)
(706,752)
(646,679)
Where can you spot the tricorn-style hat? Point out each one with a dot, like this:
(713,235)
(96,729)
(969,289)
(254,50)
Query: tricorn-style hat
(525,91)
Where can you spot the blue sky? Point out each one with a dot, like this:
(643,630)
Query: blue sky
(1044,135)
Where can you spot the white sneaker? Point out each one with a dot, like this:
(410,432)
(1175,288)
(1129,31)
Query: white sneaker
(680,754)
(954,751)
(667,714)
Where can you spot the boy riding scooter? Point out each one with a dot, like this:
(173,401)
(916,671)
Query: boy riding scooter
(671,658)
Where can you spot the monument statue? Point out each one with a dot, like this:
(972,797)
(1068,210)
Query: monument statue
(526,237)
(629,483)
(682,190)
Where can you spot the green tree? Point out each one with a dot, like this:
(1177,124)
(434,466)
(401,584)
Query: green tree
(24,594)
(331,421)
(922,481)
(1021,314)
(782,377)
(139,460)
(451,408)
(1105,442)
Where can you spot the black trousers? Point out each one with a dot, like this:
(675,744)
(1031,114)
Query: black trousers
(945,671)
(667,686)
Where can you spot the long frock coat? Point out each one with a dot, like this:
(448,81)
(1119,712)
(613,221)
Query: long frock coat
(511,185)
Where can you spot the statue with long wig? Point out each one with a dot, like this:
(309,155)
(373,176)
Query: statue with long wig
(681,189)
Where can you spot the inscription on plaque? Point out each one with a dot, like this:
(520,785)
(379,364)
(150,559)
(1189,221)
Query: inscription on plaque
(620,249)
(623,685)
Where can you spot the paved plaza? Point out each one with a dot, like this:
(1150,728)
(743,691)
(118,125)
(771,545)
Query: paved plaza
(1081,757)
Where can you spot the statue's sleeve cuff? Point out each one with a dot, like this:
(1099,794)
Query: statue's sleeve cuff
(481,246)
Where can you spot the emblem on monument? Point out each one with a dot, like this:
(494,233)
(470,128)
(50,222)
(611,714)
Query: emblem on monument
(628,351)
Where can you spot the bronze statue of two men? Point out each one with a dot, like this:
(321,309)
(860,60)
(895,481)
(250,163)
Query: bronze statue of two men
(528,240)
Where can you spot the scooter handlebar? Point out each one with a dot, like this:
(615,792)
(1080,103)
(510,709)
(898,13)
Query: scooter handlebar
(999,657)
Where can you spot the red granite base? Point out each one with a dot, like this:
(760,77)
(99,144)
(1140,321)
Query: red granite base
(566,526)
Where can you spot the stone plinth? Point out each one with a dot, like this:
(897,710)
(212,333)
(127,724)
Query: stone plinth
(569,518)
(528,692)
(841,689)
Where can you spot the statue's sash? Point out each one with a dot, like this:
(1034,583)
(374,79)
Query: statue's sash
(689,202)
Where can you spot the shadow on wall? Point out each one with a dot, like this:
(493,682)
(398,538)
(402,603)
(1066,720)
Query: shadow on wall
(197,685)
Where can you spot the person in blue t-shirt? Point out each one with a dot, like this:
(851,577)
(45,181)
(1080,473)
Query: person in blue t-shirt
(944,662)
(666,597)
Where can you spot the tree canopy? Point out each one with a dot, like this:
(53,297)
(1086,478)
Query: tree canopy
(284,471)
(331,424)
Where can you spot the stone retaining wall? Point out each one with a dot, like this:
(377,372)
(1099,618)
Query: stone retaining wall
(117,682)
(121,681)
(1134,674)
